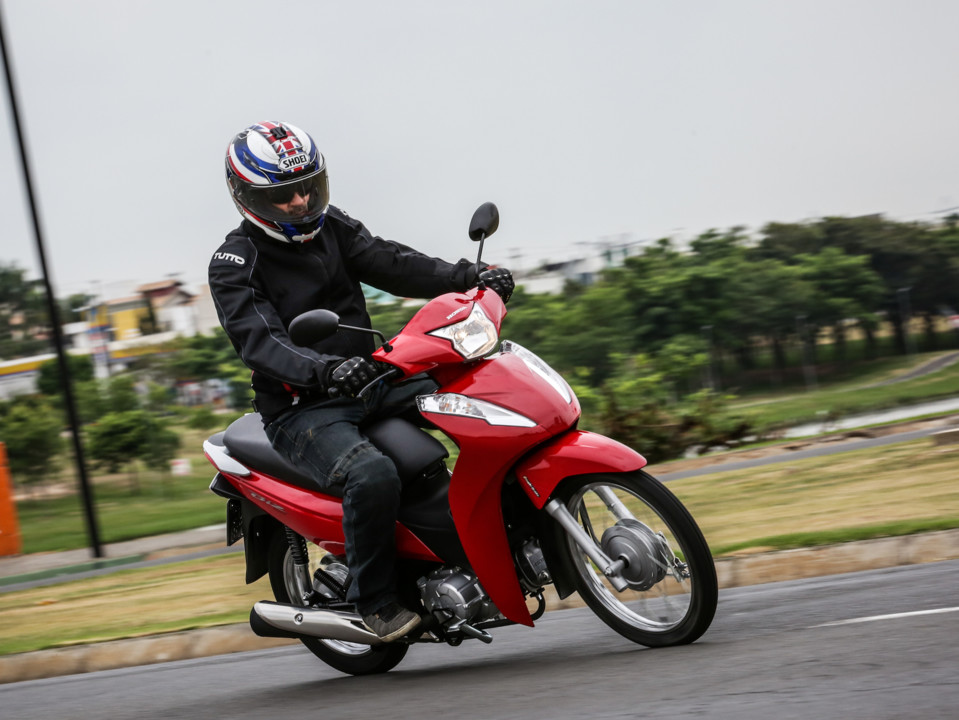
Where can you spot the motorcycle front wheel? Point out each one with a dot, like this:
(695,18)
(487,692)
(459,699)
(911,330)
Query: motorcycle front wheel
(672,589)
(347,657)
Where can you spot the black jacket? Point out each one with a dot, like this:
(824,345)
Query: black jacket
(260,284)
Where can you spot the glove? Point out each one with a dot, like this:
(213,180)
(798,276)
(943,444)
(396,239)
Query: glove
(500,281)
(347,377)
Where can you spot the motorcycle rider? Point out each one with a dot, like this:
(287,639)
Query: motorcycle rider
(295,252)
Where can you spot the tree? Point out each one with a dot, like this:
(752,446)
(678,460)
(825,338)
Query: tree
(48,376)
(31,432)
(845,288)
(122,394)
(118,439)
(23,313)
(635,407)
(161,449)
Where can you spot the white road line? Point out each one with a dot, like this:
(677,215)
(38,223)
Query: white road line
(895,616)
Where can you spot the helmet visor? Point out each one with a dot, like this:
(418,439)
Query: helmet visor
(297,201)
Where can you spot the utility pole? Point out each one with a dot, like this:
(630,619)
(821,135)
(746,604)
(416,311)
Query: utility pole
(64,366)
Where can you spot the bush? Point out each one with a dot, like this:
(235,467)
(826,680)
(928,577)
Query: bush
(31,432)
(48,377)
(637,407)
(202,419)
(119,438)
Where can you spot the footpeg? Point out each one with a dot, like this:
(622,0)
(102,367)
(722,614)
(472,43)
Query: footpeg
(470,631)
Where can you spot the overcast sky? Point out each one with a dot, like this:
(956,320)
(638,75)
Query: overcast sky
(583,121)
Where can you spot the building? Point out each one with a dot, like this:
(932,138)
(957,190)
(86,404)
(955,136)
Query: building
(118,330)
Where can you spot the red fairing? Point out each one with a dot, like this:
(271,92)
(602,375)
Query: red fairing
(487,452)
(414,350)
(575,453)
(317,517)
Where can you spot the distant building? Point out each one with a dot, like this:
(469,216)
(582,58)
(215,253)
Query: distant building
(118,330)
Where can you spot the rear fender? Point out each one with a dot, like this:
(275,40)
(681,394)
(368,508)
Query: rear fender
(574,453)
(246,520)
(258,530)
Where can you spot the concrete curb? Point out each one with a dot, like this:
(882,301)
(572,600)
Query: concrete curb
(734,571)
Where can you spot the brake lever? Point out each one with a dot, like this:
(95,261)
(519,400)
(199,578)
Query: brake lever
(385,376)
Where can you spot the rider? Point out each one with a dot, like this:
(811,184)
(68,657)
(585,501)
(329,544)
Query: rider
(295,252)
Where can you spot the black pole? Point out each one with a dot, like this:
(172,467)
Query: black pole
(85,488)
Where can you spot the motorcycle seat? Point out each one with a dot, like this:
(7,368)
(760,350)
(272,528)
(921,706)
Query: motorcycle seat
(246,441)
(410,449)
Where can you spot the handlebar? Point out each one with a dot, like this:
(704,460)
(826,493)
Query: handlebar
(392,372)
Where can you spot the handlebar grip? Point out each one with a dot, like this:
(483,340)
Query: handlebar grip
(385,376)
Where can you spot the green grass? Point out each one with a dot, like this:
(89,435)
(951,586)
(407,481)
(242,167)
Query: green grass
(160,507)
(791,541)
(849,397)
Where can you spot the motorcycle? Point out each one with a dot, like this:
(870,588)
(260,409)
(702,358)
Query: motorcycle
(531,502)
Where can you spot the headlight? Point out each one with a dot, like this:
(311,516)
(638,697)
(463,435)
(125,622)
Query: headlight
(453,404)
(473,337)
(538,366)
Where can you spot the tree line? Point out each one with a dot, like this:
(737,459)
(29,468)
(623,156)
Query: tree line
(654,344)
(128,420)
(651,348)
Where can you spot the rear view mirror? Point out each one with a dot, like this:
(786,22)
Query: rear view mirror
(484,223)
(312,326)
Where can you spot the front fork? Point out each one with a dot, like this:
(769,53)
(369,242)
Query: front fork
(612,569)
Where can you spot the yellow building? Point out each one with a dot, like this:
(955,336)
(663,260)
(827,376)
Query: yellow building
(124,317)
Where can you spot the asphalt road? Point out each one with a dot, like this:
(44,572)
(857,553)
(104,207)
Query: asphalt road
(818,450)
(880,644)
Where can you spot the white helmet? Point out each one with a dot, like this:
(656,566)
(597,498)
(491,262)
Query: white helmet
(266,165)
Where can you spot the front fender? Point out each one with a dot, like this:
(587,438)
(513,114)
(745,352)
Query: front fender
(576,452)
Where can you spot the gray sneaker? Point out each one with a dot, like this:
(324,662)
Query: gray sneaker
(392,622)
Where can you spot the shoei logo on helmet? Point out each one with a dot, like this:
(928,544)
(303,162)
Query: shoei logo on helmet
(294,161)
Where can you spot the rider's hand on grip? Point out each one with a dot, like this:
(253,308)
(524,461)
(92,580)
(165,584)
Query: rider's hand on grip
(348,377)
(500,281)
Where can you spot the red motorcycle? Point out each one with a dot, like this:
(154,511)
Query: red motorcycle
(531,501)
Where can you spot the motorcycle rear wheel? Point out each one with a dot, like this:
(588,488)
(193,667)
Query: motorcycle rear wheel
(673,589)
(347,657)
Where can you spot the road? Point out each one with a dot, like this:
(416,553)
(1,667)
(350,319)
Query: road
(880,644)
(818,450)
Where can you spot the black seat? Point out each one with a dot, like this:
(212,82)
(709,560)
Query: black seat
(410,449)
(248,443)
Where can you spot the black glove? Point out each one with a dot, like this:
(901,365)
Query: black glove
(500,281)
(347,377)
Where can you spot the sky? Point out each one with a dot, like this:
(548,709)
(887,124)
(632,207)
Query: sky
(587,123)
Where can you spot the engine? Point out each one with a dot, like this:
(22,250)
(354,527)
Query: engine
(452,594)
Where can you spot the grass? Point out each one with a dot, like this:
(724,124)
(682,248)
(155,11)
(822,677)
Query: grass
(163,504)
(129,603)
(891,490)
(852,396)
(60,524)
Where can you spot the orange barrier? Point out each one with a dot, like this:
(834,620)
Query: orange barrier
(10,540)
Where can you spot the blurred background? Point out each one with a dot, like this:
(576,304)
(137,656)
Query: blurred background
(706,205)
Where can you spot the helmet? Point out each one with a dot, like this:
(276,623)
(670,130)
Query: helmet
(266,165)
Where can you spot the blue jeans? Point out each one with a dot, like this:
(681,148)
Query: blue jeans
(326,442)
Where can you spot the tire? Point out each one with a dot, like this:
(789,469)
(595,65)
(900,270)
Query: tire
(349,658)
(672,593)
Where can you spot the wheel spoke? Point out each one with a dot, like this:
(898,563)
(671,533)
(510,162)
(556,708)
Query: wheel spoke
(626,524)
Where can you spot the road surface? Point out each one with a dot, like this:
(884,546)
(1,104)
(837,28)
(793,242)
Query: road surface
(880,644)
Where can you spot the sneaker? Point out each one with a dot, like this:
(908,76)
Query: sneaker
(392,622)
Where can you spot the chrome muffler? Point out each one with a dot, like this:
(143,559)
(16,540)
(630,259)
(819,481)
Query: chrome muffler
(273,619)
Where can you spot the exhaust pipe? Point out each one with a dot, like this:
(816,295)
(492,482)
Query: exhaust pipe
(273,619)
